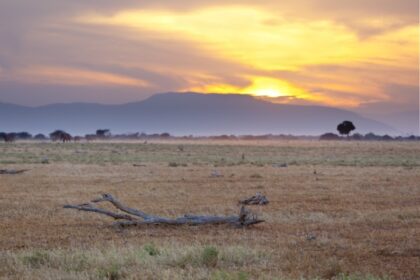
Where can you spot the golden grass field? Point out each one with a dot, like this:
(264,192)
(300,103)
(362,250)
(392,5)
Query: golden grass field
(339,210)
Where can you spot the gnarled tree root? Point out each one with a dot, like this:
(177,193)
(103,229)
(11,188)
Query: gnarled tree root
(135,217)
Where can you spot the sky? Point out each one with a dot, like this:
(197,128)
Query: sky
(360,55)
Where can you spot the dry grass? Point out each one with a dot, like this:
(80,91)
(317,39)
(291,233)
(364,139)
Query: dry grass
(359,215)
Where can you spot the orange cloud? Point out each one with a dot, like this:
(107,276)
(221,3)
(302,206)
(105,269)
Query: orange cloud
(267,41)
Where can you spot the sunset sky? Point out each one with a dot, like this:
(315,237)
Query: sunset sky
(349,54)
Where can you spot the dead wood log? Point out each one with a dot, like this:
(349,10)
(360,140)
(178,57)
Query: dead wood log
(12,171)
(257,199)
(135,217)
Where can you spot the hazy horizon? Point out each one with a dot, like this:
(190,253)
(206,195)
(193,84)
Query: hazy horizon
(183,114)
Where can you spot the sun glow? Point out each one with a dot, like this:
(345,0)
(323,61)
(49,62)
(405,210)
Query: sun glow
(269,92)
(270,87)
(260,86)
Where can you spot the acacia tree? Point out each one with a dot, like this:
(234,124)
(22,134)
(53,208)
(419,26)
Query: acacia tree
(40,136)
(103,133)
(345,128)
(60,135)
(23,135)
(8,137)
(56,135)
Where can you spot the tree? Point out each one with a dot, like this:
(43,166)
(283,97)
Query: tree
(23,135)
(40,136)
(8,137)
(345,128)
(329,136)
(372,136)
(102,133)
(135,217)
(56,135)
(90,137)
(387,138)
(60,135)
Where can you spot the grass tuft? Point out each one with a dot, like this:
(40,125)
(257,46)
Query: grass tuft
(111,272)
(151,249)
(210,256)
(36,259)
(176,164)
(223,275)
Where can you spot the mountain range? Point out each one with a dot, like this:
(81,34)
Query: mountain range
(186,114)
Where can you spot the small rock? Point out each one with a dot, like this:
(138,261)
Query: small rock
(216,174)
(279,165)
(310,236)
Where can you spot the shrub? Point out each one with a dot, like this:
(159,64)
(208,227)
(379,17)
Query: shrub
(40,136)
(223,275)
(329,136)
(151,249)
(112,272)
(210,256)
(342,276)
(256,176)
(36,259)
(175,164)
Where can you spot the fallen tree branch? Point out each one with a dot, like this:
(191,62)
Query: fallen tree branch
(12,171)
(91,208)
(139,165)
(137,217)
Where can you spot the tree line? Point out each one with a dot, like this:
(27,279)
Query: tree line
(63,136)
(344,129)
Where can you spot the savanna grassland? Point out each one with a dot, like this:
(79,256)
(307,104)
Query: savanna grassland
(338,210)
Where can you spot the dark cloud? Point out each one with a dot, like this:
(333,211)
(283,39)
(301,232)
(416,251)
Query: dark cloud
(166,63)
(401,110)
(41,94)
(401,98)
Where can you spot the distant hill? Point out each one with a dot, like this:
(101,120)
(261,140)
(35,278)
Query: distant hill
(185,114)
(405,122)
